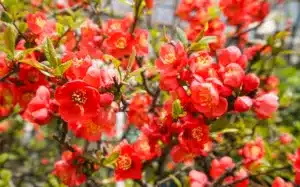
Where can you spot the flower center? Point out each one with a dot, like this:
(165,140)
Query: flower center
(255,151)
(124,162)
(79,97)
(169,58)
(121,43)
(143,41)
(115,26)
(92,128)
(197,133)
(40,22)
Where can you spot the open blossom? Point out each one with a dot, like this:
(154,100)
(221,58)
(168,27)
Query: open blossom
(119,44)
(128,164)
(172,58)
(77,101)
(233,75)
(91,129)
(206,99)
(66,169)
(265,105)
(253,151)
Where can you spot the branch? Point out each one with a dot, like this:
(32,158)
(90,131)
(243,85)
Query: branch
(174,174)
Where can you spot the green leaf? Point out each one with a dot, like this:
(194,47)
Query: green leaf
(5,175)
(50,53)
(62,68)
(111,159)
(181,36)
(10,36)
(219,124)
(6,17)
(198,47)
(176,180)
(3,157)
(282,34)
(177,109)
(109,58)
(208,39)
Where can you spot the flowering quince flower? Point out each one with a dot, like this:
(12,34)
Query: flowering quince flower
(146,148)
(77,101)
(194,136)
(241,174)
(141,42)
(92,129)
(218,167)
(36,22)
(200,63)
(138,110)
(172,58)
(38,109)
(206,99)
(79,67)
(32,76)
(68,169)
(181,154)
(128,164)
(279,182)
(250,82)
(198,179)
(265,105)
(4,126)
(242,104)
(253,151)
(285,138)
(119,44)
(8,98)
(233,75)
(228,55)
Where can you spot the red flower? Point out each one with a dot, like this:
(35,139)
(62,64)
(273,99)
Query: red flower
(265,105)
(77,101)
(272,82)
(233,75)
(92,129)
(79,67)
(206,99)
(69,169)
(181,154)
(194,136)
(253,151)
(139,110)
(8,98)
(129,164)
(38,109)
(149,4)
(141,42)
(31,75)
(241,174)
(172,58)
(218,167)
(250,82)
(36,22)
(279,182)
(243,104)
(119,44)
(145,148)
(3,65)
(200,63)
(198,179)
(285,138)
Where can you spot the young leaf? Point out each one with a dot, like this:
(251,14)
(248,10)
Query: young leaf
(10,36)
(177,109)
(62,68)
(111,159)
(208,39)
(181,36)
(50,53)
